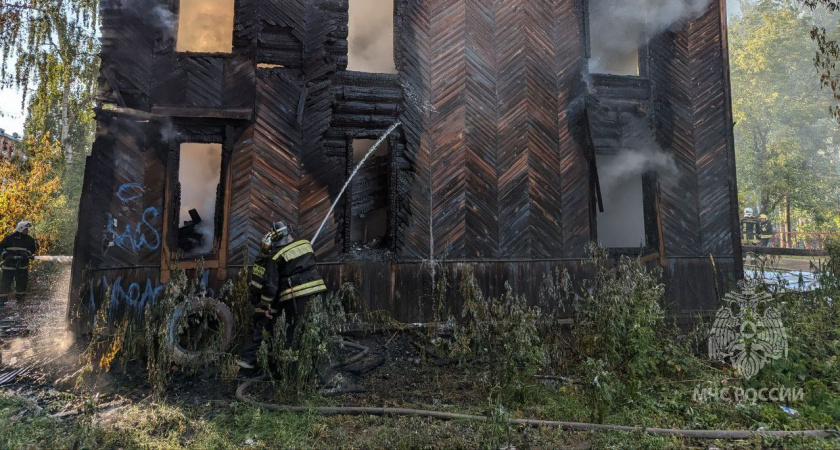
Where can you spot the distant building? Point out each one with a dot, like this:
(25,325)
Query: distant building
(8,144)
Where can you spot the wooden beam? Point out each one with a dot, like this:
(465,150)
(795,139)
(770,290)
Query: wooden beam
(204,113)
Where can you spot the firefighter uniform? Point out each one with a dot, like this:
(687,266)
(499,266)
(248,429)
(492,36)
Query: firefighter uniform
(283,280)
(16,251)
(749,231)
(764,230)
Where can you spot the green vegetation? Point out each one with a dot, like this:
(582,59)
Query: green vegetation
(49,51)
(785,139)
(621,363)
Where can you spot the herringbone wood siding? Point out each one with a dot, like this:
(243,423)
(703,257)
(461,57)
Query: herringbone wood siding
(491,161)
(414,67)
(497,133)
(687,76)
(574,165)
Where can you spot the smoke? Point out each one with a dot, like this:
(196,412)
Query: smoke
(371,36)
(199,175)
(148,12)
(630,164)
(618,27)
(622,224)
(206,26)
(168,133)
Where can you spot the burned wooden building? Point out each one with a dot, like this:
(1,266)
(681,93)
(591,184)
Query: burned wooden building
(519,144)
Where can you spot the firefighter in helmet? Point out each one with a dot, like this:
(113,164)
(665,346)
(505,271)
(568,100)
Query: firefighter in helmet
(749,230)
(283,280)
(764,230)
(16,251)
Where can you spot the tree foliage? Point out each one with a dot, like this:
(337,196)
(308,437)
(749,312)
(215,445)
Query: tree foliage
(828,51)
(787,146)
(50,53)
(31,188)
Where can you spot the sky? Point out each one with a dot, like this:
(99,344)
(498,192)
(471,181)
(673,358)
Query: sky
(733,7)
(12,118)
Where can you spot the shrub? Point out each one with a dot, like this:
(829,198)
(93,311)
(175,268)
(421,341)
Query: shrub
(619,317)
(301,364)
(498,337)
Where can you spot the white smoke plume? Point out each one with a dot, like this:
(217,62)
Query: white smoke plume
(371,36)
(199,175)
(619,27)
(149,12)
(622,224)
(629,164)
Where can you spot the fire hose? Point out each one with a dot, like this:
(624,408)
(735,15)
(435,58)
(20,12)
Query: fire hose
(534,423)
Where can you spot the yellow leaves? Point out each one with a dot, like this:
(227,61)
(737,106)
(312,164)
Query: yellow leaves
(30,186)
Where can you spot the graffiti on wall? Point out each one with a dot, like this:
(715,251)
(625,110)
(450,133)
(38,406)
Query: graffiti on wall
(124,296)
(129,192)
(133,237)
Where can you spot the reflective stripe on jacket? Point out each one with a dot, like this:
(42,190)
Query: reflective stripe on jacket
(765,230)
(16,251)
(748,230)
(284,274)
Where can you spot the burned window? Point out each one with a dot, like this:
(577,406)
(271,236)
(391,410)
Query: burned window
(622,223)
(205,26)
(371,36)
(615,33)
(369,209)
(199,176)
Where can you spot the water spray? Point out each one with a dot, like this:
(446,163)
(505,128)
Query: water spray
(353,175)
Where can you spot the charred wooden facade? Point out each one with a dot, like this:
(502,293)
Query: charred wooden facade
(493,167)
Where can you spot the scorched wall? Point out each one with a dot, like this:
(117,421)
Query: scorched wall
(493,168)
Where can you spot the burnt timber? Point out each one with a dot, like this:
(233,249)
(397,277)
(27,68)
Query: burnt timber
(491,170)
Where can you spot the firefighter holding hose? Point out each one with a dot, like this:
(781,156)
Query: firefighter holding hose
(283,280)
(16,251)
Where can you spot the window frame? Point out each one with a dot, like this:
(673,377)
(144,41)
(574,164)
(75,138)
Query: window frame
(651,214)
(350,164)
(217,259)
(395,45)
(177,11)
(644,47)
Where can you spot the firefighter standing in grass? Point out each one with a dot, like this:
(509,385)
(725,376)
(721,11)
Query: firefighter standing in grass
(749,228)
(764,230)
(16,250)
(283,280)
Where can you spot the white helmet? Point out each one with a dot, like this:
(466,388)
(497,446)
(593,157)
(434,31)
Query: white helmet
(748,212)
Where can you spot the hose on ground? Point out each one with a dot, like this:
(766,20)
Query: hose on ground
(535,423)
(363,351)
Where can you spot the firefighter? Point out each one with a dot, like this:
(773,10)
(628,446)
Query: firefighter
(16,251)
(749,228)
(764,230)
(283,280)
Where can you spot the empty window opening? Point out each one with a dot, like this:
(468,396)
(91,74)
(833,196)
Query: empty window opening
(205,26)
(622,224)
(615,35)
(199,176)
(369,215)
(371,36)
